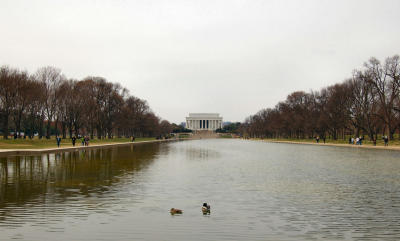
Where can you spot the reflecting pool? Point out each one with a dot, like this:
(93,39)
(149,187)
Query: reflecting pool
(257,191)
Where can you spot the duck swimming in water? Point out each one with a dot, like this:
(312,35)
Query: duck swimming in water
(206,208)
(175,211)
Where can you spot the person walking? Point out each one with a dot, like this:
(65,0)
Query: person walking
(386,140)
(58,139)
(73,140)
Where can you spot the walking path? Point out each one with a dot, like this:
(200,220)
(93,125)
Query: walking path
(5,152)
(394,148)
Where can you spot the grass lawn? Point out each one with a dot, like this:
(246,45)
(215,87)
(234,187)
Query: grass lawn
(183,136)
(36,143)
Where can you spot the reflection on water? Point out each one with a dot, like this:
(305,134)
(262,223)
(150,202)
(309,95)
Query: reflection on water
(257,191)
(36,188)
(194,152)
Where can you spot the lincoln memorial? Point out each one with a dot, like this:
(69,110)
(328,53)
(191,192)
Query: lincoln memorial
(203,121)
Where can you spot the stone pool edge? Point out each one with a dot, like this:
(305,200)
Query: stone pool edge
(391,148)
(6,152)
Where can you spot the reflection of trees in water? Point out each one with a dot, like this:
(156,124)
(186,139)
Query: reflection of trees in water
(23,178)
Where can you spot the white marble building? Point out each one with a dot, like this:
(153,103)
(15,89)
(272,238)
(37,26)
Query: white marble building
(203,121)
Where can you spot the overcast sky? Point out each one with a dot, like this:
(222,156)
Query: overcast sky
(231,57)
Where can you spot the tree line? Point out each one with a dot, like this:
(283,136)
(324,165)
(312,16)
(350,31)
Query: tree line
(366,104)
(46,103)
(230,128)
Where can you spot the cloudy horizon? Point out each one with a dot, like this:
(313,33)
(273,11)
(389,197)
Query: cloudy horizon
(227,57)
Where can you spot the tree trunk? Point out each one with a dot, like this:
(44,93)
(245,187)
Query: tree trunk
(391,133)
(64,129)
(40,128)
(99,134)
(91,132)
(5,126)
(56,126)
(70,129)
(18,124)
(76,129)
(109,130)
(48,129)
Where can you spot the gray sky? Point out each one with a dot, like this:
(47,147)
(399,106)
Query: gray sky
(232,57)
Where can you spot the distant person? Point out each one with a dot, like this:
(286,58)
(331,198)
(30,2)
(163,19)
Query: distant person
(83,141)
(374,141)
(73,140)
(132,138)
(324,139)
(386,140)
(357,141)
(350,141)
(360,141)
(58,139)
(317,139)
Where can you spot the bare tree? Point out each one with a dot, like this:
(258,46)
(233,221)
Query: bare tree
(364,104)
(34,111)
(8,77)
(22,86)
(51,78)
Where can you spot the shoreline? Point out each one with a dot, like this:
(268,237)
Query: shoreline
(7,152)
(391,148)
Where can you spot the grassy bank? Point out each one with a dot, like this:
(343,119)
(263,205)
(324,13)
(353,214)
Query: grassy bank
(183,136)
(37,143)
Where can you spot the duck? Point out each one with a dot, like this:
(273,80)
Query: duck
(175,211)
(206,208)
